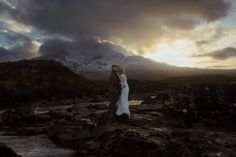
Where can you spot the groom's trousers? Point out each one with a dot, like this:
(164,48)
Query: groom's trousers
(113,104)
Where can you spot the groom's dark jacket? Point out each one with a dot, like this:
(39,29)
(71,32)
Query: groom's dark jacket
(114,85)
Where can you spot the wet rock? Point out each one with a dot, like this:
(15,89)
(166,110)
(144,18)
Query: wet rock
(190,115)
(97,99)
(119,143)
(98,106)
(10,116)
(201,143)
(27,109)
(70,136)
(61,114)
(15,118)
(159,97)
(154,129)
(178,149)
(6,151)
(149,100)
(90,148)
(31,131)
(224,152)
(78,117)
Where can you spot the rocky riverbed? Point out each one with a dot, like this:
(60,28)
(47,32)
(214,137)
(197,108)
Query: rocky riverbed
(35,146)
(160,126)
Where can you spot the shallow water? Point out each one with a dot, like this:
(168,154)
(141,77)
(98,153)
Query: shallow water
(34,146)
(40,110)
(135,102)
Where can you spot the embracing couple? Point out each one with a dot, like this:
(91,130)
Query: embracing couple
(119,93)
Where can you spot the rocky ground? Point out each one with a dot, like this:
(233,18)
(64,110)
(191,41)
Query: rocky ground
(160,126)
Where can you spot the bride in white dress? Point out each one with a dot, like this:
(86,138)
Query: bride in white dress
(123,102)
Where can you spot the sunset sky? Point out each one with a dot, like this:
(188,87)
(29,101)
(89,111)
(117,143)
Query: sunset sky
(193,33)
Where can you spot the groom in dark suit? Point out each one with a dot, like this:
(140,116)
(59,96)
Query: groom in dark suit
(114,90)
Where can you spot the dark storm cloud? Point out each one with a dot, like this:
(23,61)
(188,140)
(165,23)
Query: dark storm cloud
(3,7)
(81,46)
(221,54)
(107,19)
(136,23)
(53,46)
(3,52)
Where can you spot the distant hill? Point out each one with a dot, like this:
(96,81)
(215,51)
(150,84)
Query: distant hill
(30,80)
(200,80)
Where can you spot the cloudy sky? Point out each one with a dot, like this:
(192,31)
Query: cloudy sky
(195,33)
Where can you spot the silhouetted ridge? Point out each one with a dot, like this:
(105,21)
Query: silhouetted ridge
(29,80)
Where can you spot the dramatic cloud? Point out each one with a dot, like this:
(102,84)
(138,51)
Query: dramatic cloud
(141,26)
(220,54)
(132,21)
(15,46)
(217,67)
(12,39)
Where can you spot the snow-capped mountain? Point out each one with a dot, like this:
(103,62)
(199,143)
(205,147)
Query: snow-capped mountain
(95,63)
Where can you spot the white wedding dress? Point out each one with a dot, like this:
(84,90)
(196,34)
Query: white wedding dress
(123,102)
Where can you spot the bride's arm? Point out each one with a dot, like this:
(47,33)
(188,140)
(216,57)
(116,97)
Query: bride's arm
(122,80)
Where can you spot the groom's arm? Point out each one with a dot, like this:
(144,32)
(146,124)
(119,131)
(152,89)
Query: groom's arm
(116,80)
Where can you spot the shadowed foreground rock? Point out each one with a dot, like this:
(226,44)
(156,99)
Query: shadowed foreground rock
(120,142)
(6,151)
(151,131)
(155,129)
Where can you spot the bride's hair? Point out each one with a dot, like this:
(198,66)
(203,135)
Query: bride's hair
(120,69)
